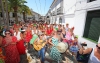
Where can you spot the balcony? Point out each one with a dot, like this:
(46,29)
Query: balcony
(91,0)
(53,13)
(59,11)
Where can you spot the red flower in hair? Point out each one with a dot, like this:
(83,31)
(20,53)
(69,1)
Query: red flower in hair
(72,28)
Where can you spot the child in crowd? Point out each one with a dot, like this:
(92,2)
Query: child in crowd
(74,46)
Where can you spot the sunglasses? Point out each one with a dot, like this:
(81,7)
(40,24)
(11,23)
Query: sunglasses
(7,33)
(98,46)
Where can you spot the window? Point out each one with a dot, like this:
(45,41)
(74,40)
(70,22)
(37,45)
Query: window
(13,14)
(91,0)
(47,16)
(92,25)
(60,20)
(59,11)
(1,14)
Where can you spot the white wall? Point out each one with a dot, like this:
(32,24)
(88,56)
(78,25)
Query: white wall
(55,6)
(70,21)
(58,3)
(79,22)
(69,7)
(20,16)
(69,11)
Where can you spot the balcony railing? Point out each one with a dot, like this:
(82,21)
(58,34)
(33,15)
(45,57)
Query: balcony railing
(91,0)
(59,11)
(54,13)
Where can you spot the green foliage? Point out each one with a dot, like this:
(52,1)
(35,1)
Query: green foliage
(26,9)
(19,4)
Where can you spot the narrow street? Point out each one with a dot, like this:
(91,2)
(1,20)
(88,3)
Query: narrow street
(33,57)
(47,24)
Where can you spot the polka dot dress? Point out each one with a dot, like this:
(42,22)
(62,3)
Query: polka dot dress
(54,53)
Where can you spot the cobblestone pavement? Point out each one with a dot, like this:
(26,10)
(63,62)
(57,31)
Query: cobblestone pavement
(67,58)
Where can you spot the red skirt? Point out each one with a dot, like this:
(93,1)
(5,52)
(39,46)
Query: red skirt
(12,55)
(21,47)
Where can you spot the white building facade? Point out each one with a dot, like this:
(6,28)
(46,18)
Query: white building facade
(36,16)
(84,15)
(47,17)
(56,11)
(12,17)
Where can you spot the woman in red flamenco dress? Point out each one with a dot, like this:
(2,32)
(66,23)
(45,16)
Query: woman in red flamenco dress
(10,49)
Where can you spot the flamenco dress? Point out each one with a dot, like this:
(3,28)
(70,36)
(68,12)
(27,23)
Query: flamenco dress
(54,53)
(11,52)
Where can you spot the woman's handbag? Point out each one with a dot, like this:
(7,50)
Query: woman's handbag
(83,57)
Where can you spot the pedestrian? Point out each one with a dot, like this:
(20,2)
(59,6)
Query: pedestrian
(54,53)
(67,27)
(39,45)
(74,46)
(11,52)
(28,36)
(20,45)
(95,53)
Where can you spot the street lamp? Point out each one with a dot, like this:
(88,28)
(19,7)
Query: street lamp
(24,16)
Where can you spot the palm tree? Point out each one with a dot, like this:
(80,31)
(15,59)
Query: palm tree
(15,4)
(25,10)
(2,7)
(5,3)
(7,18)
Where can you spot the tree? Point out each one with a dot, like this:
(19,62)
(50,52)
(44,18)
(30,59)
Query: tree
(15,4)
(5,10)
(25,10)
(7,19)
(2,7)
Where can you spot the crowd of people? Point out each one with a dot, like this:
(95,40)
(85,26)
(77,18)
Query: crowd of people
(39,36)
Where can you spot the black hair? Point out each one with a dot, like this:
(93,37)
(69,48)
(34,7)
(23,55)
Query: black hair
(9,31)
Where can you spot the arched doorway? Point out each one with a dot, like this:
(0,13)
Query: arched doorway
(60,20)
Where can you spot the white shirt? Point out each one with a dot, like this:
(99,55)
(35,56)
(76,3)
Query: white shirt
(18,35)
(34,32)
(93,58)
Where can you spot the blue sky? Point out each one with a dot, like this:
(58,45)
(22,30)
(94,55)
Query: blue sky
(39,6)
